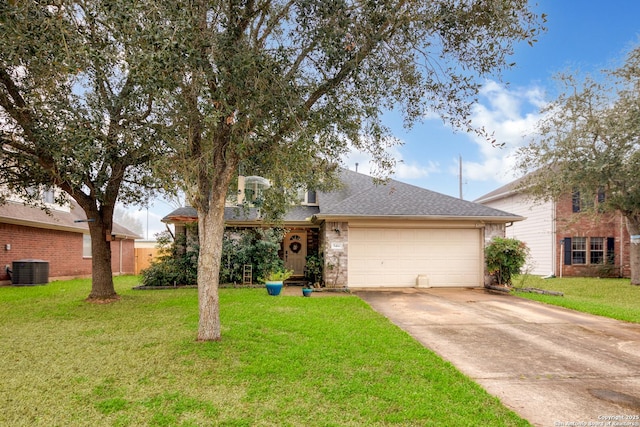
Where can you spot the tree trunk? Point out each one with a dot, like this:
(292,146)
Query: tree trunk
(633,227)
(210,231)
(102,279)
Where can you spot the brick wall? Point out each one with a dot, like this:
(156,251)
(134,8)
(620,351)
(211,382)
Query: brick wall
(123,257)
(62,249)
(610,225)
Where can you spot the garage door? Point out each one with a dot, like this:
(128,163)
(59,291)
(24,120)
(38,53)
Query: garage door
(382,257)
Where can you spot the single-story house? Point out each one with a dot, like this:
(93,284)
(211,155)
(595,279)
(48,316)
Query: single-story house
(58,238)
(564,239)
(380,235)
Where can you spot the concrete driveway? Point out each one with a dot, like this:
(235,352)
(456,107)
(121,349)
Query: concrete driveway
(554,367)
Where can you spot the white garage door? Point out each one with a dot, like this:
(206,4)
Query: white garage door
(383,257)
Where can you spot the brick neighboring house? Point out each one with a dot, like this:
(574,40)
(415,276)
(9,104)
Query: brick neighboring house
(30,233)
(563,238)
(390,235)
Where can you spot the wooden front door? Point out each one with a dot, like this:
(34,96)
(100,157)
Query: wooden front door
(295,252)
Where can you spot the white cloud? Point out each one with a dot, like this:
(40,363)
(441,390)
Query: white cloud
(510,115)
(150,220)
(404,170)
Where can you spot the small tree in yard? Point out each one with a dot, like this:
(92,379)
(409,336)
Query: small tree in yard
(505,258)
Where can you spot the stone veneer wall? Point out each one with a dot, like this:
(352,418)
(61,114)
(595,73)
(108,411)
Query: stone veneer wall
(335,246)
(491,231)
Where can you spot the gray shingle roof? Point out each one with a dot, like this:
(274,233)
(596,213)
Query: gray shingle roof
(500,192)
(362,197)
(232,214)
(19,213)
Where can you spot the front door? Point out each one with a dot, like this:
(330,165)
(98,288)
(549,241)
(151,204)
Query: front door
(295,252)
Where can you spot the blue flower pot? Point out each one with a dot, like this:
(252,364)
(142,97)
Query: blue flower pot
(274,288)
(306,292)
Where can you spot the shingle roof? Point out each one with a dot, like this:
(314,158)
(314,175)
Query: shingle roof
(233,214)
(500,192)
(18,213)
(361,196)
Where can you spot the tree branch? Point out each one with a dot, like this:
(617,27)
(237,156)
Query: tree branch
(17,106)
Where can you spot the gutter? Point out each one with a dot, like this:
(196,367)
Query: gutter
(483,200)
(43,225)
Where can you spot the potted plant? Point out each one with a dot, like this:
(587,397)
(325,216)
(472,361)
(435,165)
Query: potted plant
(274,280)
(306,291)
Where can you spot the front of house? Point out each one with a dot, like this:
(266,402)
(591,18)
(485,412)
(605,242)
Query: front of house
(381,235)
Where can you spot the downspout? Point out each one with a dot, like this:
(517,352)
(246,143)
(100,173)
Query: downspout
(561,251)
(554,236)
(621,234)
(121,257)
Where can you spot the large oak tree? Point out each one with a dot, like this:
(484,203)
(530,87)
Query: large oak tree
(284,88)
(78,88)
(589,141)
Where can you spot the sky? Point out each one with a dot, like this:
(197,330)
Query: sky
(582,35)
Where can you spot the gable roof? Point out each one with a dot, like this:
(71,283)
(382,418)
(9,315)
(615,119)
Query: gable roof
(20,214)
(501,192)
(362,197)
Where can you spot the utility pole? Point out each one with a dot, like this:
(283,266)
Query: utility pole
(460,175)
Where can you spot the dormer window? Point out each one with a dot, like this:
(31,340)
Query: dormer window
(251,189)
(308,197)
(311,198)
(48,196)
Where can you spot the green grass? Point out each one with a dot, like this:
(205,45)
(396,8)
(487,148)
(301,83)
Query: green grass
(283,361)
(614,298)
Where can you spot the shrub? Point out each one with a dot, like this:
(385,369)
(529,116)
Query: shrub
(313,268)
(177,263)
(505,257)
(178,260)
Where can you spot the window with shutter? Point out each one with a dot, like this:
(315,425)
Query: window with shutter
(567,251)
(579,250)
(611,253)
(596,250)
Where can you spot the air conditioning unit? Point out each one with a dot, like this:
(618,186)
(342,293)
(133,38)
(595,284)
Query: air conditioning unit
(30,272)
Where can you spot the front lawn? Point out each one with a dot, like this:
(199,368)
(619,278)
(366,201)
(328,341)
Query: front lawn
(614,298)
(282,361)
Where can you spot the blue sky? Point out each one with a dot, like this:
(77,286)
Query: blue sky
(583,35)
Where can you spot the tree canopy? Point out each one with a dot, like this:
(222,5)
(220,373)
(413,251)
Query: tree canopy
(589,141)
(283,89)
(78,109)
(90,90)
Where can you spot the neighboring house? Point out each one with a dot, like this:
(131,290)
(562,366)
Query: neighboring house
(28,232)
(391,235)
(564,239)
